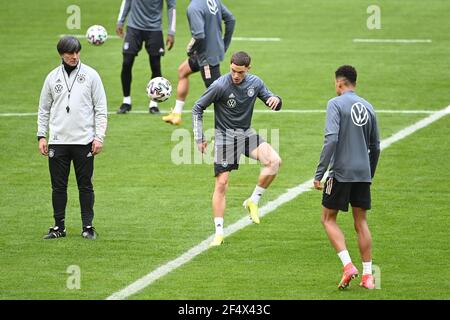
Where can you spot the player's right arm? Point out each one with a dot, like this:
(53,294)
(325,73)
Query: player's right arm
(210,95)
(197,44)
(329,145)
(123,13)
(171,18)
(45,103)
(100,113)
(230,22)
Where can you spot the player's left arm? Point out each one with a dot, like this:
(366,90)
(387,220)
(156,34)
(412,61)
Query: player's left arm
(374,146)
(100,113)
(271,100)
(230,22)
(171,18)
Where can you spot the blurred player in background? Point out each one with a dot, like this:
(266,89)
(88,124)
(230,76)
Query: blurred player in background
(351,150)
(144,25)
(205,50)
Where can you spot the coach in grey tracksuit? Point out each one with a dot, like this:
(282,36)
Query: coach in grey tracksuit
(234,96)
(73,115)
(351,150)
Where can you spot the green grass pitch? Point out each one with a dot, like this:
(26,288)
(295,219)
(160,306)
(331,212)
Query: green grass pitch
(149,211)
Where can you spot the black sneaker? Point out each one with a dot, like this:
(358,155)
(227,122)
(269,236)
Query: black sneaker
(89,233)
(124,108)
(55,232)
(154,110)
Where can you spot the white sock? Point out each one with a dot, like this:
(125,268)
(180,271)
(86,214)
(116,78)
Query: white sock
(218,221)
(367,267)
(345,257)
(257,193)
(127,100)
(153,104)
(178,106)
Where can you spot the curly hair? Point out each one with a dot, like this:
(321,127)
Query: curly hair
(347,72)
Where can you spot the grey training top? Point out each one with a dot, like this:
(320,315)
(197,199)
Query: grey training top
(205,20)
(233,106)
(147,14)
(352,145)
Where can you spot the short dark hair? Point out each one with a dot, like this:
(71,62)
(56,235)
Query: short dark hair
(68,44)
(348,72)
(241,58)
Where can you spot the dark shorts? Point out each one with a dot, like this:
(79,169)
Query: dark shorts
(337,195)
(134,38)
(226,156)
(209,73)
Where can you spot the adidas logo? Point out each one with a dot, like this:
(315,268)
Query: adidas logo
(231,96)
(58,81)
(89,155)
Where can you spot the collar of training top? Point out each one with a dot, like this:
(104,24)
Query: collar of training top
(70,68)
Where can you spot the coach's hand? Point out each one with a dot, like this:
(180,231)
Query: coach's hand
(317,185)
(170,41)
(273,102)
(202,146)
(43,147)
(119,30)
(97,147)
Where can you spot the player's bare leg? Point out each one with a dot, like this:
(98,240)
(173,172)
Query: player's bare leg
(218,206)
(184,71)
(271,161)
(365,245)
(332,229)
(364,236)
(220,189)
(337,240)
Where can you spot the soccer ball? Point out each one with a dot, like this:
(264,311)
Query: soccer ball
(159,89)
(96,35)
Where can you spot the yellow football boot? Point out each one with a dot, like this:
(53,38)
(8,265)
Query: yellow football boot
(218,240)
(173,118)
(252,210)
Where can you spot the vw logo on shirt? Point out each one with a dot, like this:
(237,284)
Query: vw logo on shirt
(231,103)
(212,6)
(359,114)
(58,88)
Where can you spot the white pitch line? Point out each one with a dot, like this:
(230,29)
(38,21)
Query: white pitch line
(256,39)
(27,114)
(289,195)
(392,40)
(411,129)
(18,114)
(252,39)
(82,36)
